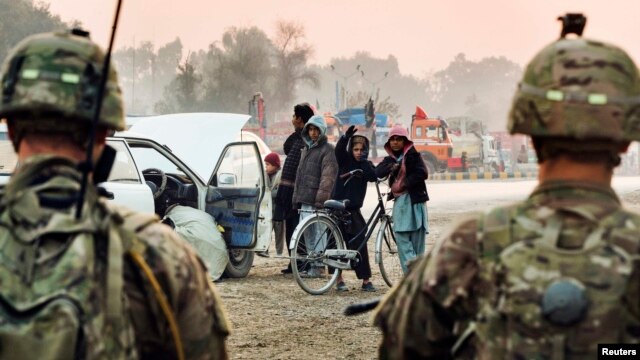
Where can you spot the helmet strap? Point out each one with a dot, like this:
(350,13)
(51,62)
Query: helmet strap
(12,78)
(88,89)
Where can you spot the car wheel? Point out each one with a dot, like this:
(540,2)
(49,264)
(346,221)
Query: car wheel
(240,262)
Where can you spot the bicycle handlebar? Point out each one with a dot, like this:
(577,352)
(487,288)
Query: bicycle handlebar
(351,173)
(359,172)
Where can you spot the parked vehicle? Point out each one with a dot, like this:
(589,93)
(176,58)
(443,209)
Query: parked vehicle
(192,160)
(125,185)
(206,168)
(479,151)
(432,140)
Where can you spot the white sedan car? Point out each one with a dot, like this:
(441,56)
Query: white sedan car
(125,185)
(199,160)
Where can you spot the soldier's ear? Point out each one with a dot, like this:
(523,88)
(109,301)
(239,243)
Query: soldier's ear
(624,147)
(101,136)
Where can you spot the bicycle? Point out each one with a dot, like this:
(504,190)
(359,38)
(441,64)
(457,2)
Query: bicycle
(318,251)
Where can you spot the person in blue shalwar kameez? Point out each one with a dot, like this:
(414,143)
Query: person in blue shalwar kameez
(407,174)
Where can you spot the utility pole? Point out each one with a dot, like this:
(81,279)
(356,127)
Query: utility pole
(337,96)
(133,77)
(370,110)
(153,77)
(344,85)
(376,82)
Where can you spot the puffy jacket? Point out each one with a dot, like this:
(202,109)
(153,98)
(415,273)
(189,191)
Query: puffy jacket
(318,168)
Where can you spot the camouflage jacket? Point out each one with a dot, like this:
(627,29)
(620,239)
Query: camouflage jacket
(446,301)
(37,207)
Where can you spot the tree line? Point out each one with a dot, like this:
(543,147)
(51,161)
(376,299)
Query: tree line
(245,60)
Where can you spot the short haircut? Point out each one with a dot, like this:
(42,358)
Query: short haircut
(303,111)
(59,129)
(582,151)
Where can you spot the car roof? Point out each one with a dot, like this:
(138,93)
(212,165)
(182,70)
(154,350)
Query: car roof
(211,118)
(196,138)
(249,136)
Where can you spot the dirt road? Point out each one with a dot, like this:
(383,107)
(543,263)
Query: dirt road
(273,318)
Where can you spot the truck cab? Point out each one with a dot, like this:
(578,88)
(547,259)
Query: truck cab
(489,153)
(431,139)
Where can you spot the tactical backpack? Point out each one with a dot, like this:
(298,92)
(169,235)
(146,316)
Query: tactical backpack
(60,298)
(546,302)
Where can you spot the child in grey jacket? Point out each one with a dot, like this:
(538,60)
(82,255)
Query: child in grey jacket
(315,178)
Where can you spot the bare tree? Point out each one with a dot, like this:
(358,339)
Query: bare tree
(292,53)
(405,91)
(384,106)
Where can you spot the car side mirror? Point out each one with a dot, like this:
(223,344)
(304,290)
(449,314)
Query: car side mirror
(226,179)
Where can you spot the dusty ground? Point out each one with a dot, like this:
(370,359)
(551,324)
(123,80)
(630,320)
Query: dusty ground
(273,318)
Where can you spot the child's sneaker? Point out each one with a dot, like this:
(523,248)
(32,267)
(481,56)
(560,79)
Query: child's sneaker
(341,287)
(369,287)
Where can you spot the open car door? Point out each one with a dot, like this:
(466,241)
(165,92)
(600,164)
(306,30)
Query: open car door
(126,184)
(236,199)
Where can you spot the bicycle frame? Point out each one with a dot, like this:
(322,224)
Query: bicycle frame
(325,245)
(378,213)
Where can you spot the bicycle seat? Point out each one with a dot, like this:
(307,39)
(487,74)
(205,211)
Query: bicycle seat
(336,204)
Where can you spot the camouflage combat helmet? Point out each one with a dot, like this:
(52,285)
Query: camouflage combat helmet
(580,89)
(56,76)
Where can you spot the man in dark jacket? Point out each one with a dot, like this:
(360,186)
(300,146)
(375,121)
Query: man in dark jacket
(407,174)
(292,147)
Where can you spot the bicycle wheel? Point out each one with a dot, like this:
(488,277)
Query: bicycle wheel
(387,255)
(311,238)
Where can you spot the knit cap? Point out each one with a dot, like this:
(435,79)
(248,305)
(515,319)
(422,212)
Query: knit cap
(273,158)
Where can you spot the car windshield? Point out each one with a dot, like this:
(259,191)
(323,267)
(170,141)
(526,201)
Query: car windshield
(150,158)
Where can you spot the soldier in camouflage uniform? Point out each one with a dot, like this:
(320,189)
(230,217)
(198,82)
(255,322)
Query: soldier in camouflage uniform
(114,283)
(555,275)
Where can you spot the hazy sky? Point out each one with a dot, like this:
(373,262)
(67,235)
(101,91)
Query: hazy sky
(424,35)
